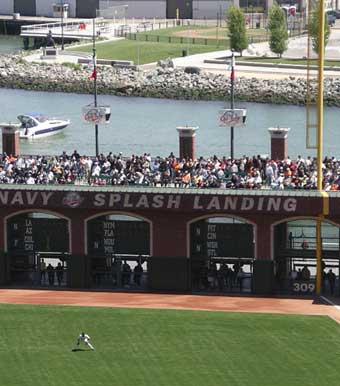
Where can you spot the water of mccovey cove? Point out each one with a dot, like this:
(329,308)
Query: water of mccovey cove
(146,125)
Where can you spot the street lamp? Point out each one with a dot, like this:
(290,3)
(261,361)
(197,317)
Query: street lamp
(252,15)
(94,113)
(232,117)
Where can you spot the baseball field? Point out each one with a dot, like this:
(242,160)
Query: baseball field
(161,347)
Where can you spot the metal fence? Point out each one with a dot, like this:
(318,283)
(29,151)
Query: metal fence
(176,39)
(223,42)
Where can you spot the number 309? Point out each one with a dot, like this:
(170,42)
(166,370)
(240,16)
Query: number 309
(303,287)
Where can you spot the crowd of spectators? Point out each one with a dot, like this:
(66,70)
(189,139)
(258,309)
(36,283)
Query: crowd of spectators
(254,172)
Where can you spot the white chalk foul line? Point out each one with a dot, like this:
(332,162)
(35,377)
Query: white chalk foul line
(330,302)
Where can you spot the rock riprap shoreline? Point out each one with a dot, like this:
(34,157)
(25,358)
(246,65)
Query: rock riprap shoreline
(173,83)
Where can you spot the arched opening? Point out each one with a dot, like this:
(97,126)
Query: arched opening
(38,247)
(222,255)
(295,256)
(118,246)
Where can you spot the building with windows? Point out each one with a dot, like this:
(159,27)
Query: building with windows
(184,9)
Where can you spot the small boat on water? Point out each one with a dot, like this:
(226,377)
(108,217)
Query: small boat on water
(36,125)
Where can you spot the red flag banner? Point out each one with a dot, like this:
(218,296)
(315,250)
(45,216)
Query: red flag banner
(93,75)
(232,67)
(232,74)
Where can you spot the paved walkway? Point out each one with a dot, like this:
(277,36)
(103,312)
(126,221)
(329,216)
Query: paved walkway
(66,55)
(297,48)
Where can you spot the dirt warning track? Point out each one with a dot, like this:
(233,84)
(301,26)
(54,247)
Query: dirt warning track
(166,301)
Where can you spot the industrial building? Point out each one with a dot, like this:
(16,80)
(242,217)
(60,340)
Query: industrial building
(184,9)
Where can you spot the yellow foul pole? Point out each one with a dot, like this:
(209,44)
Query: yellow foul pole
(319,142)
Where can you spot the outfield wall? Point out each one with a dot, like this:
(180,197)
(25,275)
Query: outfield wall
(196,228)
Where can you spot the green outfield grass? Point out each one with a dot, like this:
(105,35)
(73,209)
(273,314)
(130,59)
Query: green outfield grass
(165,348)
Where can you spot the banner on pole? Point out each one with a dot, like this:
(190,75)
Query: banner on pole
(233,117)
(99,114)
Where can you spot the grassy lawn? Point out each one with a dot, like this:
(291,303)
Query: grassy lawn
(183,30)
(200,33)
(146,51)
(165,348)
(141,51)
(287,61)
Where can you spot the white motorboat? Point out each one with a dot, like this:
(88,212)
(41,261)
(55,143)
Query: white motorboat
(36,125)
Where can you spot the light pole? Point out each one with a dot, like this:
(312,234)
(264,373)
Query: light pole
(232,78)
(220,16)
(93,113)
(62,24)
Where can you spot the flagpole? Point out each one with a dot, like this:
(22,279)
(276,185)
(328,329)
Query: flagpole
(62,25)
(232,77)
(95,82)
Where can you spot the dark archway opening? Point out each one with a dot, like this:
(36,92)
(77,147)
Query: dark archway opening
(38,249)
(222,255)
(295,257)
(118,247)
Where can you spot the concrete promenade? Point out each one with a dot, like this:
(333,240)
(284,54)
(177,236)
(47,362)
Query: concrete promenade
(297,48)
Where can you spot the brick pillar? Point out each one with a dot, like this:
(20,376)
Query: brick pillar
(187,136)
(10,140)
(278,142)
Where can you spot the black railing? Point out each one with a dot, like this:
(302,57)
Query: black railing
(142,37)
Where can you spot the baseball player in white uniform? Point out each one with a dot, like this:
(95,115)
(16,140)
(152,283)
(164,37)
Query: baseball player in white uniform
(85,339)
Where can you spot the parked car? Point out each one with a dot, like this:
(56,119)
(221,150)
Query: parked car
(331,19)
(143,27)
(334,13)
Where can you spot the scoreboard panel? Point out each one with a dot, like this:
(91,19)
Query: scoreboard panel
(26,235)
(108,237)
(221,240)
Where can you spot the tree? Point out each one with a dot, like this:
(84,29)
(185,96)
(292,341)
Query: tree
(278,34)
(237,29)
(313,27)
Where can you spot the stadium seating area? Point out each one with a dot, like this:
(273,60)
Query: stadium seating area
(252,172)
